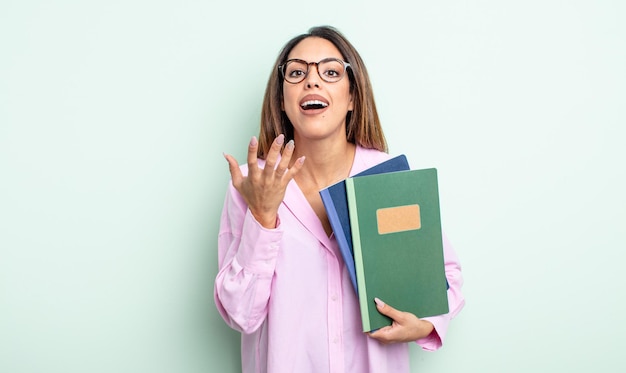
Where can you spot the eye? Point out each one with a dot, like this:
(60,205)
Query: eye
(331,69)
(295,73)
(332,73)
(295,70)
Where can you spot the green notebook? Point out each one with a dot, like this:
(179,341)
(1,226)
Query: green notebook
(398,246)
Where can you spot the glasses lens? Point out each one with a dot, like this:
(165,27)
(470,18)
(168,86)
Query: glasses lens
(295,71)
(331,70)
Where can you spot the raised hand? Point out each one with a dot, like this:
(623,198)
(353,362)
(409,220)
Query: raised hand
(264,188)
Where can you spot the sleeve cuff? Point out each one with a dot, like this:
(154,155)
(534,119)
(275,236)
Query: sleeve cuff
(434,340)
(259,246)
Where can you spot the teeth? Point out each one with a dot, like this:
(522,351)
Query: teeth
(314,102)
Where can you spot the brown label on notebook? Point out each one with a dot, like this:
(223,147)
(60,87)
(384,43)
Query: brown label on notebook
(398,219)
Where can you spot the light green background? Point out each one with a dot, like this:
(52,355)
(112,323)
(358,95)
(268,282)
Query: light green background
(114,116)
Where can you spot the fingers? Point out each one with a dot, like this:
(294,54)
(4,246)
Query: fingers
(273,154)
(387,310)
(382,334)
(404,328)
(284,160)
(253,147)
(276,164)
(233,167)
(282,168)
(387,334)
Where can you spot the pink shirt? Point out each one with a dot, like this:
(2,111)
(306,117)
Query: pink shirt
(289,294)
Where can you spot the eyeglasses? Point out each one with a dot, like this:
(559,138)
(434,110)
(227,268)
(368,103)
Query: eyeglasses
(331,70)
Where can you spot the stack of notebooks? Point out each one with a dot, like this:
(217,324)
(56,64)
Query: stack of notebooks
(387,223)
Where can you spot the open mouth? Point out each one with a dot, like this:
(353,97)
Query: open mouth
(313,104)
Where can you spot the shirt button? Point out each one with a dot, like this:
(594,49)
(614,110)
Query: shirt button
(334,297)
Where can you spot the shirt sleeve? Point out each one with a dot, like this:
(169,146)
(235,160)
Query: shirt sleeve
(247,255)
(456,300)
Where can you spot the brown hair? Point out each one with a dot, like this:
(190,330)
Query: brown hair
(362,124)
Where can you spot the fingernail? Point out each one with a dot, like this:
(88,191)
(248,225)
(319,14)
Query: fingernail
(379,302)
(290,144)
(280,139)
(301,159)
(253,141)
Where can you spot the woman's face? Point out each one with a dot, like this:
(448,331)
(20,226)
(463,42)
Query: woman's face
(316,108)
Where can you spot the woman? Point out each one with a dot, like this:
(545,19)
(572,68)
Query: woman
(281,280)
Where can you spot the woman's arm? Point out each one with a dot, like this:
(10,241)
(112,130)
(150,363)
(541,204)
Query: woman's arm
(247,255)
(249,236)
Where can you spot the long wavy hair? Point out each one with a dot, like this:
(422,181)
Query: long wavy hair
(362,123)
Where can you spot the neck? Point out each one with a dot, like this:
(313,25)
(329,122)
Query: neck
(325,163)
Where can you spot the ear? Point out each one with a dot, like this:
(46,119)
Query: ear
(351,104)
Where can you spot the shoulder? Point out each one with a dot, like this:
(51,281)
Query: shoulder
(366,158)
(372,154)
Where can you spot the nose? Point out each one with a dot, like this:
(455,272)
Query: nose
(312,79)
